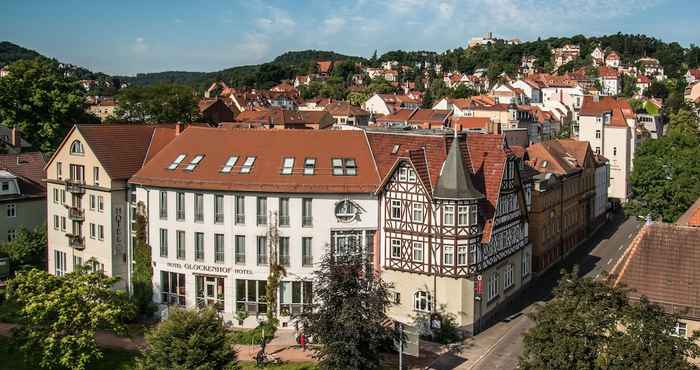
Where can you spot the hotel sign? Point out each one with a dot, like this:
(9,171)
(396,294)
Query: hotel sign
(209,268)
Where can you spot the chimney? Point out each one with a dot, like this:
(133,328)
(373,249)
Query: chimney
(15,138)
(178,128)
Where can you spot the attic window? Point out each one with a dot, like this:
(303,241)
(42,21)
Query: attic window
(177,161)
(350,167)
(309,166)
(344,166)
(248,165)
(195,161)
(77,148)
(229,164)
(544,164)
(337,167)
(395,148)
(287,165)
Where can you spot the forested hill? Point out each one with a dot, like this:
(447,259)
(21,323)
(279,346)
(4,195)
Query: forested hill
(10,53)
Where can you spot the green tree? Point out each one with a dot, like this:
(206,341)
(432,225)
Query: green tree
(277,272)
(664,178)
(27,249)
(629,86)
(163,103)
(592,325)
(357,98)
(142,275)
(189,339)
(59,316)
(42,102)
(348,319)
(657,89)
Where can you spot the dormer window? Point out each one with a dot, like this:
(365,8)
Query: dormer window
(77,148)
(350,167)
(177,161)
(395,148)
(228,166)
(287,166)
(248,165)
(309,166)
(344,166)
(195,161)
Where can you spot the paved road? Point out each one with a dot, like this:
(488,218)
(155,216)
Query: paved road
(598,255)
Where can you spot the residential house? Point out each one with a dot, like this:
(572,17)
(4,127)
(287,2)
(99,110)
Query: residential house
(598,56)
(12,142)
(565,54)
(215,111)
(325,67)
(389,103)
(104,108)
(530,88)
(612,60)
(279,119)
(642,84)
(22,193)
(651,67)
(692,92)
(302,80)
(507,94)
(4,71)
(346,114)
(609,80)
(692,76)
(482,125)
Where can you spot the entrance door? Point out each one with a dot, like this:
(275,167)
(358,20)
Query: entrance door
(210,291)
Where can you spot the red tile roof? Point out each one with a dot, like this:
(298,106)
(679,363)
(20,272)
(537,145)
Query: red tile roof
(29,169)
(269,147)
(465,123)
(325,66)
(691,217)
(619,107)
(345,109)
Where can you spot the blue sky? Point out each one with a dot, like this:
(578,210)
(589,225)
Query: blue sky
(126,37)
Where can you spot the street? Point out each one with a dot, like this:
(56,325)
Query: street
(502,343)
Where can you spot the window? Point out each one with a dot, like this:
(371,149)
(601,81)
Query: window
(59,170)
(283,212)
(5,186)
(76,148)
(463,215)
(309,166)
(163,242)
(228,166)
(93,202)
(77,262)
(473,215)
(163,205)
(411,175)
(284,251)
(306,212)
(219,248)
(240,249)
(448,255)
(250,296)
(597,134)
(395,248)
(614,150)
(597,150)
(100,203)
(261,210)
(195,161)
(198,207)
(63,196)
(492,286)
(344,166)
(77,173)
(11,234)
(55,222)
(63,223)
(180,206)
(295,297)
(337,166)
(100,232)
(176,162)
(172,288)
(396,209)
(395,148)
(93,231)
(180,244)
(526,264)
(55,196)
(209,291)
(508,276)
(422,302)
(403,174)
(449,215)
(240,210)
(418,251)
(59,262)
(417,212)
(462,255)
(248,165)
(287,165)
(680,330)
(199,246)
(11,210)
(262,250)
(96,175)
(219,209)
(307,258)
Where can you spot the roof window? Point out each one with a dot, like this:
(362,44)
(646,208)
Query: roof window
(195,161)
(395,148)
(344,166)
(287,165)
(229,164)
(247,165)
(309,166)
(177,161)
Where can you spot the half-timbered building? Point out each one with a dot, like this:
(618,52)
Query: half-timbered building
(453,224)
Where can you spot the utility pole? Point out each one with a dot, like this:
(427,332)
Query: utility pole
(400,346)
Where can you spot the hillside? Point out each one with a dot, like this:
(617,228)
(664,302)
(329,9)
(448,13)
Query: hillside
(10,53)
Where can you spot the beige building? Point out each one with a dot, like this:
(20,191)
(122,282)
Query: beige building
(22,193)
(88,209)
(103,109)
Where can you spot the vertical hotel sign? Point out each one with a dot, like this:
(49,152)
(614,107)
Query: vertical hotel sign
(118,218)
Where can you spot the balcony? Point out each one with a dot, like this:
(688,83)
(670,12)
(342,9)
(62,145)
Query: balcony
(76,214)
(75,186)
(76,241)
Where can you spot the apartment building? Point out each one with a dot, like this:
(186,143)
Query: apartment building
(610,126)
(88,207)
(219,203)
(453,222)
(22,193)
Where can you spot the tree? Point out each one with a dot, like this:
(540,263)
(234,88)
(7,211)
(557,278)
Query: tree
(357,98)
(629,86)
(349,314)
(277,271)
(592,325)
(142,279)
(59,315)
(657,89)
(42,102)
(189,339)
(164,103)
(664,178)
(28,248)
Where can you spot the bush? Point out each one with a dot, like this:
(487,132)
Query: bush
(254,336)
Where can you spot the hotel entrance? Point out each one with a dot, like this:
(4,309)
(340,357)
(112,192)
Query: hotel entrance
(210,291)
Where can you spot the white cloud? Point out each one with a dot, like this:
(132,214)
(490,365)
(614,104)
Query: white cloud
(276,20)
(254,48)
(139,45)
(333,25)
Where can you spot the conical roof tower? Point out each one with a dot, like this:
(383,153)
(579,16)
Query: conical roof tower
(455,181)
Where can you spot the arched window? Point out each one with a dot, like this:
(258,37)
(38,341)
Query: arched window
(422,301)
(76,148)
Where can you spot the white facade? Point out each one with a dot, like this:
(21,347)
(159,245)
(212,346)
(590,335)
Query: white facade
(571,97)
(376,105)
(223,277)
(534,94)
(601,191)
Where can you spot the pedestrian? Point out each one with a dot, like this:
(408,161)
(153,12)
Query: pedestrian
(302,339)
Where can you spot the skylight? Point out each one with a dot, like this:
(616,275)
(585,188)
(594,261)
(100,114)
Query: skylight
(350,167)
(247,165)
(177,161)
(344,166)
(395,149)
(337,167)
(195,161)
(287,165)
(309,166)
(229,164)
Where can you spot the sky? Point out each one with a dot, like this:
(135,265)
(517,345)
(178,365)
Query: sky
(127,37)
